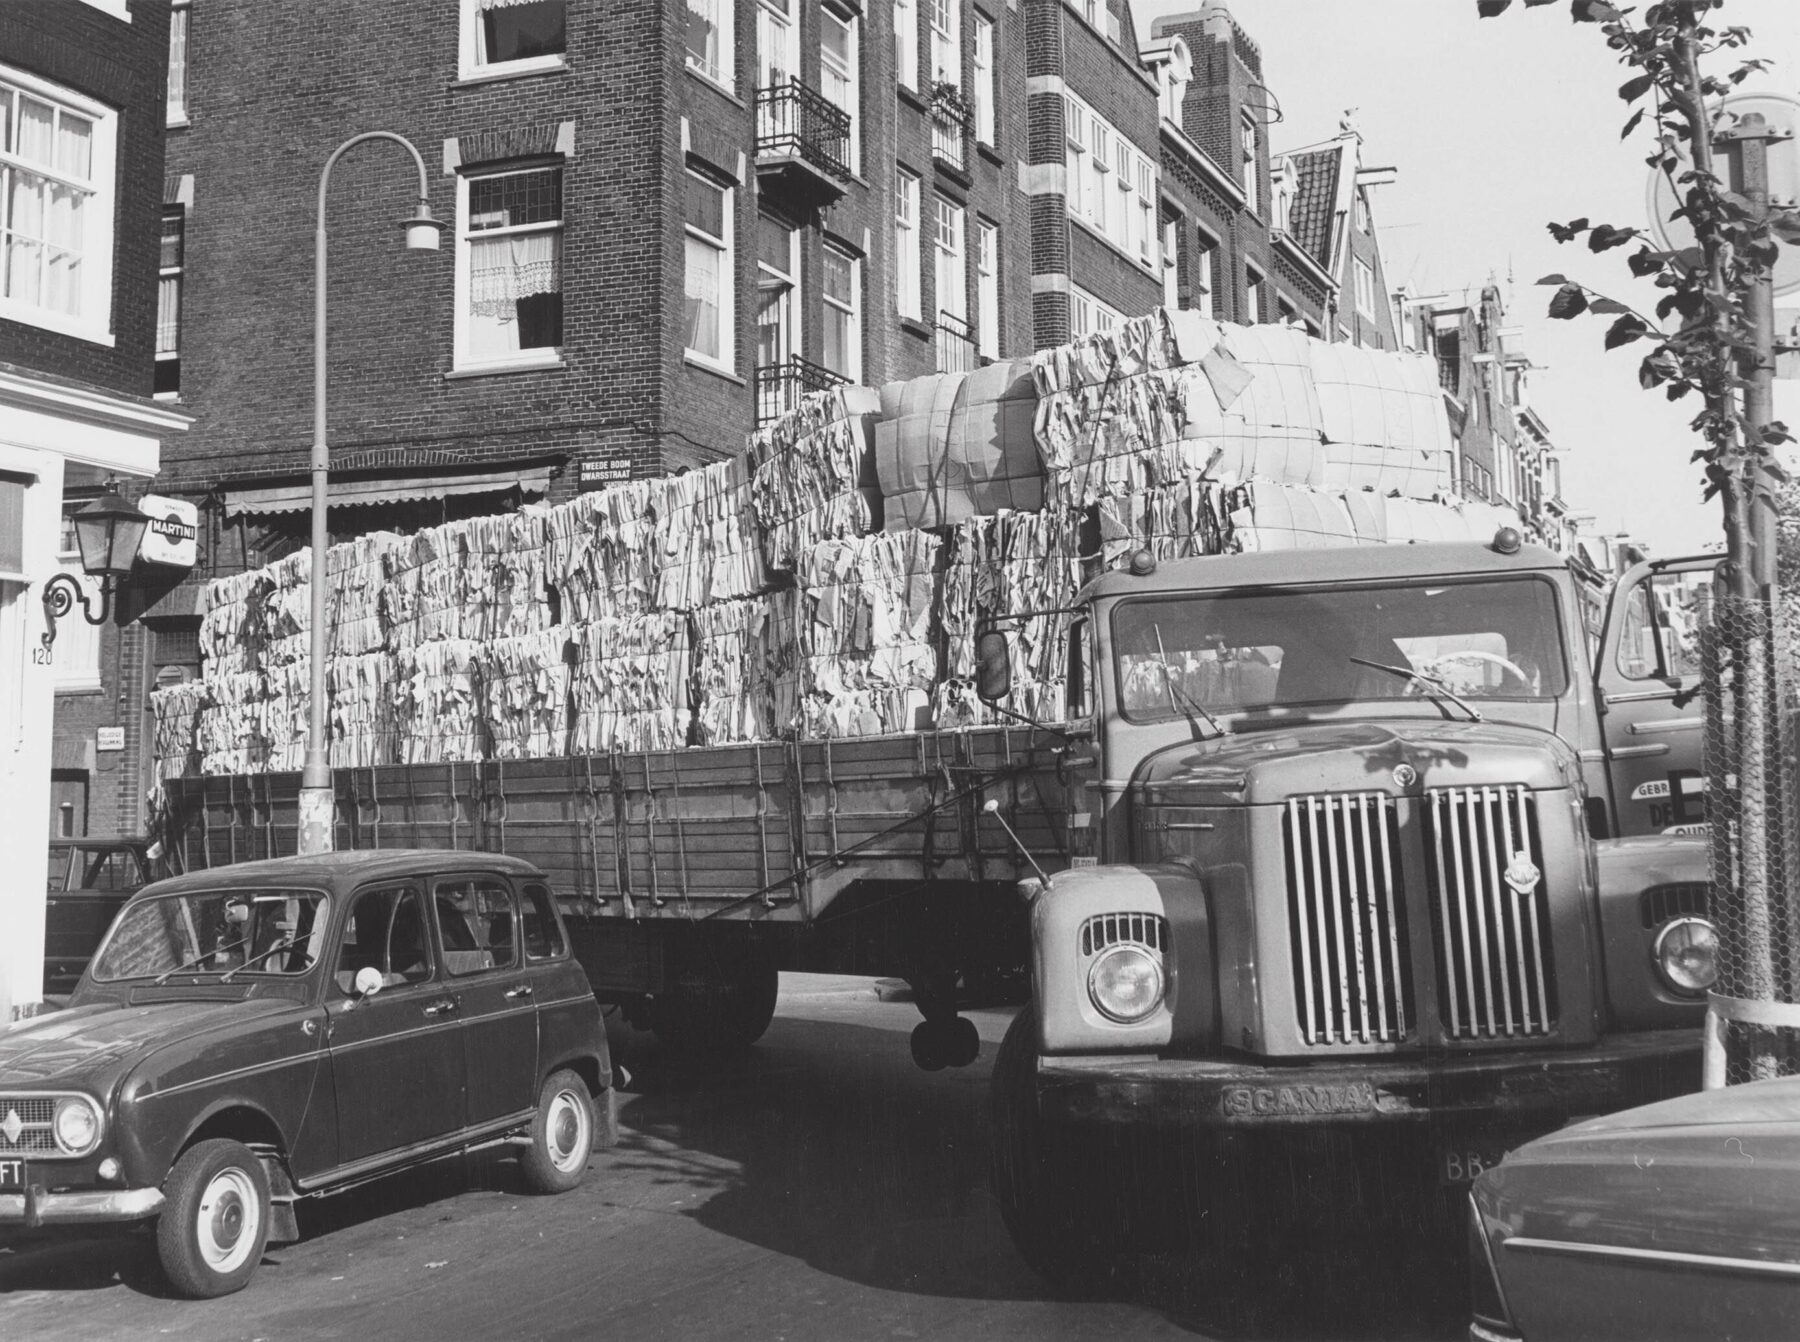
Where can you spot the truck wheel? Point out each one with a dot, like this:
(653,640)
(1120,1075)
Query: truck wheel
(215,1223)
(1039,1194)
(717,1012)
(562,1135)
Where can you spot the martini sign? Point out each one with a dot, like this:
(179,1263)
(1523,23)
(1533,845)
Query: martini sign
(172,537)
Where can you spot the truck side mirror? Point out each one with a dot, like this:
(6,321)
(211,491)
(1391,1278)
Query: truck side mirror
(993,666)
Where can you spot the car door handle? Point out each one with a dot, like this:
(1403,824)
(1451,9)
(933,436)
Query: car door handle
(443,1008)
(523,990)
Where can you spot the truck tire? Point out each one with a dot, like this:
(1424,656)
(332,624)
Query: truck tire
(719,1010)
(562,1135)
(1046,1211)
(215,1224)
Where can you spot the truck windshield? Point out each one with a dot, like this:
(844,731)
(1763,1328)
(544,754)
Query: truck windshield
(225,932)
(1494,639)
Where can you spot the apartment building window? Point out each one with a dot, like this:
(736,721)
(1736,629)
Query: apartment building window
(984,91)
(509,268)
(946,41)
(906,43)
(1111,186)
(779,339)
(709,34)
(1252,165)
(777,44)
(176,114)
(75,656)
(987,289)
(837,68)
(1089,316)
(1146,210)
(1365,288)
(842,286)
(1362,213)
(706,218)
(906,243)
(12,526)
(952,274)
(513,36)
(1253,296)
(1171,254)
(1099,145)
(1075,133)
(168,302)
(56,233)
(1204,295)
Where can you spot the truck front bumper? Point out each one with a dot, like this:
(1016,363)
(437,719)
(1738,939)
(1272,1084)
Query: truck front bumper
(1514,1090)
(36,1208)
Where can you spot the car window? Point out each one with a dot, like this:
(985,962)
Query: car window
(543,934)
(216,932)
(58,878)
(116,869)
(475,922)
(1659,636)
(386,931)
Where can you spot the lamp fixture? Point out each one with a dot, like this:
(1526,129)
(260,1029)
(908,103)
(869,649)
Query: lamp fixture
(108,532)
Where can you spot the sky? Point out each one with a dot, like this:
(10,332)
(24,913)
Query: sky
(1498,126)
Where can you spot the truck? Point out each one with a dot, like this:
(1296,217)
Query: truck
(1384,865)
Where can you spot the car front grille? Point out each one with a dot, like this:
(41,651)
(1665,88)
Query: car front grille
(30,1116)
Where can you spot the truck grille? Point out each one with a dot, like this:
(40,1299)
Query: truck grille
(1348,919)
(32,1130)
(1492,939)
(1109,929)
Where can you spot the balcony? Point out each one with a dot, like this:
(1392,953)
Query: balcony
(802,145)
(951,117)
(779,386)
(955,344)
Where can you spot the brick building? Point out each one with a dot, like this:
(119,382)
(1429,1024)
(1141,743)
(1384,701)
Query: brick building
(81,148)
(1323,198)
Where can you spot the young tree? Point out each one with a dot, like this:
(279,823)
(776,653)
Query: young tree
(1711,335)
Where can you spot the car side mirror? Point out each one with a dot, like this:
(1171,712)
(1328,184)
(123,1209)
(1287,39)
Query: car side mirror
(993,667)
(368,981)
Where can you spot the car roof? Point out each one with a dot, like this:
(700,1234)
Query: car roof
(342,872)
(1347,563)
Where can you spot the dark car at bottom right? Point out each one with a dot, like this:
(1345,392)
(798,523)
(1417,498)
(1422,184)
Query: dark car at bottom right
(1679,1219)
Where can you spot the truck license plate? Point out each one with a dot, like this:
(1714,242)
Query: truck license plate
(1461,1163)
(12,1174)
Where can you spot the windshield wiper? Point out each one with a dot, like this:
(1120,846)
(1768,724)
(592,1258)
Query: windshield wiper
(195,962)
(286,943)
(1186,698)
(1434,685)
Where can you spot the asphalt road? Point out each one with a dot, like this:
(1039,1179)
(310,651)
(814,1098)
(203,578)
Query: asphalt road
(818,1187)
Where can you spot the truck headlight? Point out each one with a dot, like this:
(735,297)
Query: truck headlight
(1687,955)
(77,1125)
(1126,983)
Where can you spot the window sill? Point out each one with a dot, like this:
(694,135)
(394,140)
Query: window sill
(991,154)
(539,65)
(719,370)
(723,90)
(169,397)
(50,321)
(913,326)
(548,363)
(177,122)
(78,686)
(1152,269)
(911,97)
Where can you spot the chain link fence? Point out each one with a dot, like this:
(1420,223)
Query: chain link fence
(1749,670)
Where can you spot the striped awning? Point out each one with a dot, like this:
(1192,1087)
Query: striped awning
(531,481)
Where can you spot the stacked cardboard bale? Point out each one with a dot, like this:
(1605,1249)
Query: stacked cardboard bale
(813,475)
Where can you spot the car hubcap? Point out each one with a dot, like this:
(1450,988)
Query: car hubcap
(227,1221)
(565,1131)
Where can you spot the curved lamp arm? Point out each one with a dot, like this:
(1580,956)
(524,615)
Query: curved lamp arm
(60,595)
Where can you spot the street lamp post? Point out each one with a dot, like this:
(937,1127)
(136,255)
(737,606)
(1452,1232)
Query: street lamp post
(315,775)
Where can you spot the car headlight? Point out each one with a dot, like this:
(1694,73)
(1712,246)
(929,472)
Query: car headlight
(77,1125)
(1687,955)
(1126,983)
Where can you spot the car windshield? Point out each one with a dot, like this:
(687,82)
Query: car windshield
(224,932)
(1266,646)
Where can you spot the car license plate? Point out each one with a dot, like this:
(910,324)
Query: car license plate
(12,1174)
(1461,1163)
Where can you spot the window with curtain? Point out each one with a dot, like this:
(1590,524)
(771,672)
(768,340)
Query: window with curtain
(168,302)
(906,243)
(906,43)
(178,46)
(983,90)
(837,68)
(510,255)
(709,49)
(987,289)
(1111,185)
(706,218)
(56,169)
(952,265)
(842,283)
(514,34)
(946,41)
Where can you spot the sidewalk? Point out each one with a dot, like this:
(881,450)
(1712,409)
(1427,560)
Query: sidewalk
(843,987)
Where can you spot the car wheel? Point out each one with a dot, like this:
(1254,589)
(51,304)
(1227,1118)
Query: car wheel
(562,1134)
(718,1009)
(215,1222)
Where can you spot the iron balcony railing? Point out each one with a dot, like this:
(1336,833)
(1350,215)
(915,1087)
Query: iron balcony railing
(955,344)
(950,120)
(794,121)
(779,386)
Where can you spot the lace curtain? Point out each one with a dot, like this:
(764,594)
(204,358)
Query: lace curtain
(45,218)
(504,270)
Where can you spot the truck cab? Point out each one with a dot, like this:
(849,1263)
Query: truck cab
(1351,892)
